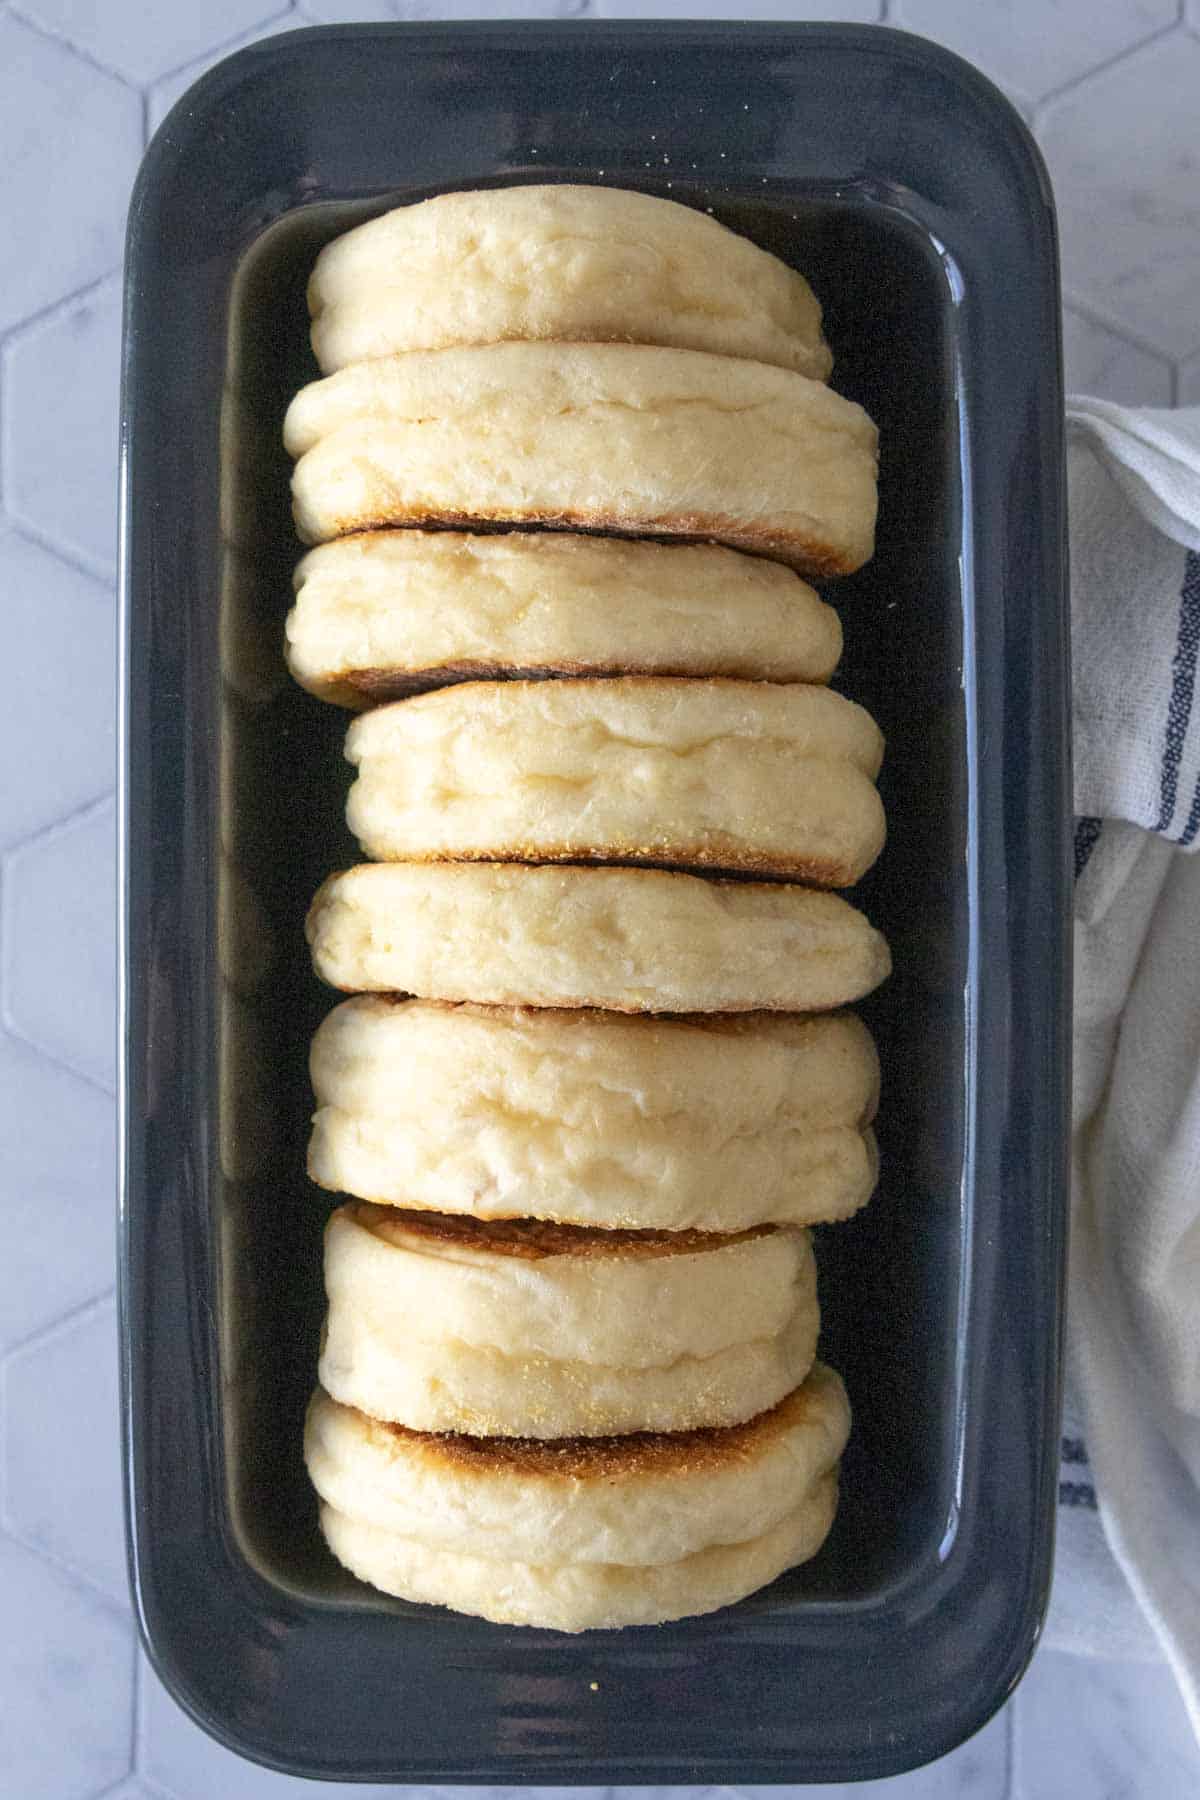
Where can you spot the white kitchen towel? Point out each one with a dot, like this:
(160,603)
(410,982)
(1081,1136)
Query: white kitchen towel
(1131,1445)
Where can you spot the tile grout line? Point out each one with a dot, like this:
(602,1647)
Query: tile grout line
(1093,313)
(155,1790)
(62,42)
(116,1786)
(56,828)
(45,835)
(46,1334)
(14,1031)
(78,1578)
(113,1788)
(56,309)
(70,554)
(225,47)
(1050,100)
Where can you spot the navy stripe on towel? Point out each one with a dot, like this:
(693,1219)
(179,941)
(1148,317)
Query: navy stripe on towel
(1087,834)
(1193,822)
(1183,687)
(1077,1493)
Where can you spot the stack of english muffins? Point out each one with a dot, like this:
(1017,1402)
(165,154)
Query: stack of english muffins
(594,1081)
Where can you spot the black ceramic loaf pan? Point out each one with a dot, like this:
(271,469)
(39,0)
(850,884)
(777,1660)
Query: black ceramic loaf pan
(909,192)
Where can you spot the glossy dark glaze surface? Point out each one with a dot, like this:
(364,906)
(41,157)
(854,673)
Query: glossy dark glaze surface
(909,192)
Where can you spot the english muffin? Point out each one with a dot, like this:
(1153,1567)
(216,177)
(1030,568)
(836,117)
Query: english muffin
(587,1533)
(574,1597)
(547,1331)
(619,438)
(739,776)
(626,940)
(381,614)
(568,262)
(591,1118)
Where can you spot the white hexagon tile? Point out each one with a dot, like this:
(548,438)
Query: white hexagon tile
(70,139)
(66,1679)
(62,1486)
(58,1157)
(60,426)
(59,986)
(142,42)
(1123,151)
(62,627)
(1035,46)
(1112,90)
(1100,361)
(1083,1729)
